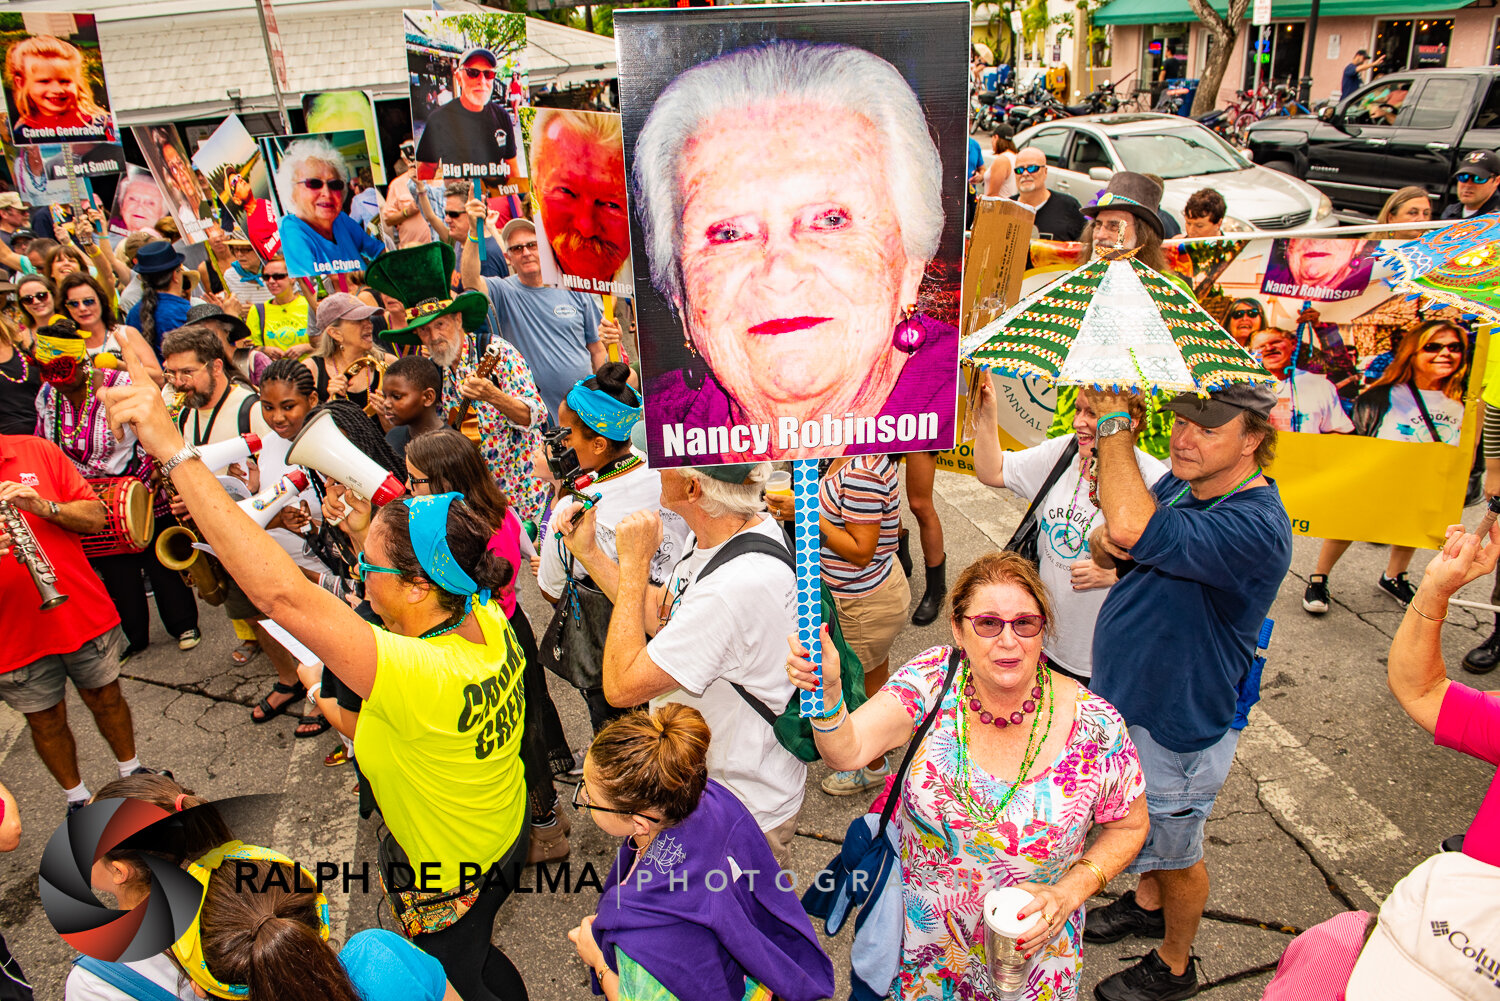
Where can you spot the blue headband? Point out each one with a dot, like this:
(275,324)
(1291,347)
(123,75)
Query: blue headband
(602,412)
(428,524)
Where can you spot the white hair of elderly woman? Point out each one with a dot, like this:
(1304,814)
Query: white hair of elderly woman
(724,500)
(300,152)
(835,76)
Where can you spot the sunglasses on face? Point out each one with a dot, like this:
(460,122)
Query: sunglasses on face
(361,567)
(521,248)
(88,303)
(317,184)
(1438,348)
(477,74)
(36,297)
(1030,168)
(1472,179)
(991,626)
(581,802)
(1240,314)
(453,215)
(275,276)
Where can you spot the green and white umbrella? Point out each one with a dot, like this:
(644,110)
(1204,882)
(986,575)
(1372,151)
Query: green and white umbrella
(1114,323)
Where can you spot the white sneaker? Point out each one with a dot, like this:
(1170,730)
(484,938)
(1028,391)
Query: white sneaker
(856,781)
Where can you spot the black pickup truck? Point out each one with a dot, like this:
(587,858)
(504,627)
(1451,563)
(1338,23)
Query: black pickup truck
(1408,127)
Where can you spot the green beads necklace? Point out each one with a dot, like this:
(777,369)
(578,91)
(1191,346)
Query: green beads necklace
(1035,740)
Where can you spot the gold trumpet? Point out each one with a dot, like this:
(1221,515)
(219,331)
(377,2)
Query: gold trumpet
(174,547)
(359,365)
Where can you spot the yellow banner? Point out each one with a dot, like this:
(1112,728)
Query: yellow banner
(1325,304)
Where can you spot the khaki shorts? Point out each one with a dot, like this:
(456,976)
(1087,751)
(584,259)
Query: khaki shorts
(40,685)
(871,622)
(780,840)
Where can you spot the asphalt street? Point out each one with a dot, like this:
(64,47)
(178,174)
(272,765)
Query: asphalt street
(1334,796)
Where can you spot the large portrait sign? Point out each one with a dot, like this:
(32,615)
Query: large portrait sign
(310,182)
(231,163)
(54,79)
(1377,399)
(797,178)
(576,164)
(468,81)
(187,202)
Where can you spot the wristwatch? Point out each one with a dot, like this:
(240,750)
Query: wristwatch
(1112,425)
(183,454)
(52,506)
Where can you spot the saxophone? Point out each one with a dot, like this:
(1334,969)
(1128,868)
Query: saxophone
(29,554)
(174,547)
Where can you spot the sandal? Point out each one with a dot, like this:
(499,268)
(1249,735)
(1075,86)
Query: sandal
(319,722)
(340,756)
(245,652)
(269,712)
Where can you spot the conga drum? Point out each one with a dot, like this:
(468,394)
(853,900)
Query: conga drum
(131,523)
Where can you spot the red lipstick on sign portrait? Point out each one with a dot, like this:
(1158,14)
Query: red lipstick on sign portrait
(788,324)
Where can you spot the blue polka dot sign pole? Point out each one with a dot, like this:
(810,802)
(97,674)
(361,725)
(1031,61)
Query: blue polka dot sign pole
(809,573)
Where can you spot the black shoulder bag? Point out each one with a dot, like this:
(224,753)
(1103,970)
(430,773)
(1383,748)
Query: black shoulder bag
(1029,531)
(572,645)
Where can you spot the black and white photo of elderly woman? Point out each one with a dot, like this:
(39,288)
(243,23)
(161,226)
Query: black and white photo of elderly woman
(791,199)
(317,236)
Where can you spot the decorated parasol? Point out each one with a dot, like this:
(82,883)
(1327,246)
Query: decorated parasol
(1114,323)
(1458,266)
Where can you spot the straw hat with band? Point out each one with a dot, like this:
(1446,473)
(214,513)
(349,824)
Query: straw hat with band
(188,950)
(1133,193)
(417,277)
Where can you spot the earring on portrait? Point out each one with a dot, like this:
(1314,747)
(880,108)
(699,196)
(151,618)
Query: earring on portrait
(909,333)
(692,372)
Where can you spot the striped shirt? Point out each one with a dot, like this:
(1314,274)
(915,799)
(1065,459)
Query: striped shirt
(864,491)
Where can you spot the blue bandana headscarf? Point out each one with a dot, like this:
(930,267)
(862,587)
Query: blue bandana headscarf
(602,412)
(428,524)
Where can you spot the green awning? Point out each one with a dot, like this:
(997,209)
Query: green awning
(1171,11)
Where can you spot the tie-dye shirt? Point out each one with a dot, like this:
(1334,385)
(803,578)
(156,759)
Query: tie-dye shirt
(950,861)
(507,448)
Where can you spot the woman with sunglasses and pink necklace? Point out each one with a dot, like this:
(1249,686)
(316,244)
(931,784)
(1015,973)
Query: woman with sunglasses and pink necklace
(1419,398)
(1019,765)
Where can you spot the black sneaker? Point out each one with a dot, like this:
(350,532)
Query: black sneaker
(143,770)
(75,805)
(1315,598)
(1398,587)
(1113,922)
(1149,980)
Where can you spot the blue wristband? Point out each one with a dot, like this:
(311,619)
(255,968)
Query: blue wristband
(835,710)
(1117,413)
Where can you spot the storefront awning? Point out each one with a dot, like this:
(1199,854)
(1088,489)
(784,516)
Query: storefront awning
(1171,11)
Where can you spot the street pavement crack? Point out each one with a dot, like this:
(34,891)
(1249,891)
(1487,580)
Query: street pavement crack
(1235,978)
(1332,882)
(186,689)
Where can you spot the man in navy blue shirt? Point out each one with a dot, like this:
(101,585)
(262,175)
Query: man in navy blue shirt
(1200,556)
(1353,73)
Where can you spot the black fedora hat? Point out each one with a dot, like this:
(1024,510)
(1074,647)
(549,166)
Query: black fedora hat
(238,330)
(157,257)
(1133,193)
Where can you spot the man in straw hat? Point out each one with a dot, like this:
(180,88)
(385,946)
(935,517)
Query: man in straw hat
(509,408)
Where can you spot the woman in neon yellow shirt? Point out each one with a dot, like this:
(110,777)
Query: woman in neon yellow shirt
(439,738)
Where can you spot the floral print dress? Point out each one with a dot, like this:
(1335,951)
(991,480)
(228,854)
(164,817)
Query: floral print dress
(949,862)
(507,448)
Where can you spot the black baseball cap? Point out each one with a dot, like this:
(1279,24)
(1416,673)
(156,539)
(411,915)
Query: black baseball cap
(1479,161)
(1223,405)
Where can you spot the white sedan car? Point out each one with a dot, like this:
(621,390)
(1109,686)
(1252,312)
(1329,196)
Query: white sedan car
(1082,153)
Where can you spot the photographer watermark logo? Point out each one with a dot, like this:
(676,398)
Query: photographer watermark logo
(68,899)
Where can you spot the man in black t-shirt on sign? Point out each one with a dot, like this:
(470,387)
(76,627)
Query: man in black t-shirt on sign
(471,136)
(1057,214)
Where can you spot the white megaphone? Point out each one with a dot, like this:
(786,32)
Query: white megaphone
(230,450)
(263,506)
(322,446)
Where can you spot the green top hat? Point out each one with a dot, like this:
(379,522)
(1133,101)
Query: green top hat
(418,278)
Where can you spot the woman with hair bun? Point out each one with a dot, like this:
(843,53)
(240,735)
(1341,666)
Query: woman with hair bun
(599,413)
(695,923)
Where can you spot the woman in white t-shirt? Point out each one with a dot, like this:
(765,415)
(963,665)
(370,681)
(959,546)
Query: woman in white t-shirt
(1000,177)
(598,413)
(1066,517)
(1419,398)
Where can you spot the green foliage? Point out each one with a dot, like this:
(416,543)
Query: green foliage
(498,32)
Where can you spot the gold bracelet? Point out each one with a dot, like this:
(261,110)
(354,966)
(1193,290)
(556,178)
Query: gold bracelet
(1429,618)
(1098,872)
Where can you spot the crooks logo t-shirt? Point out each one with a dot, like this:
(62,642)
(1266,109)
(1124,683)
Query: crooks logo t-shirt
(440,739)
